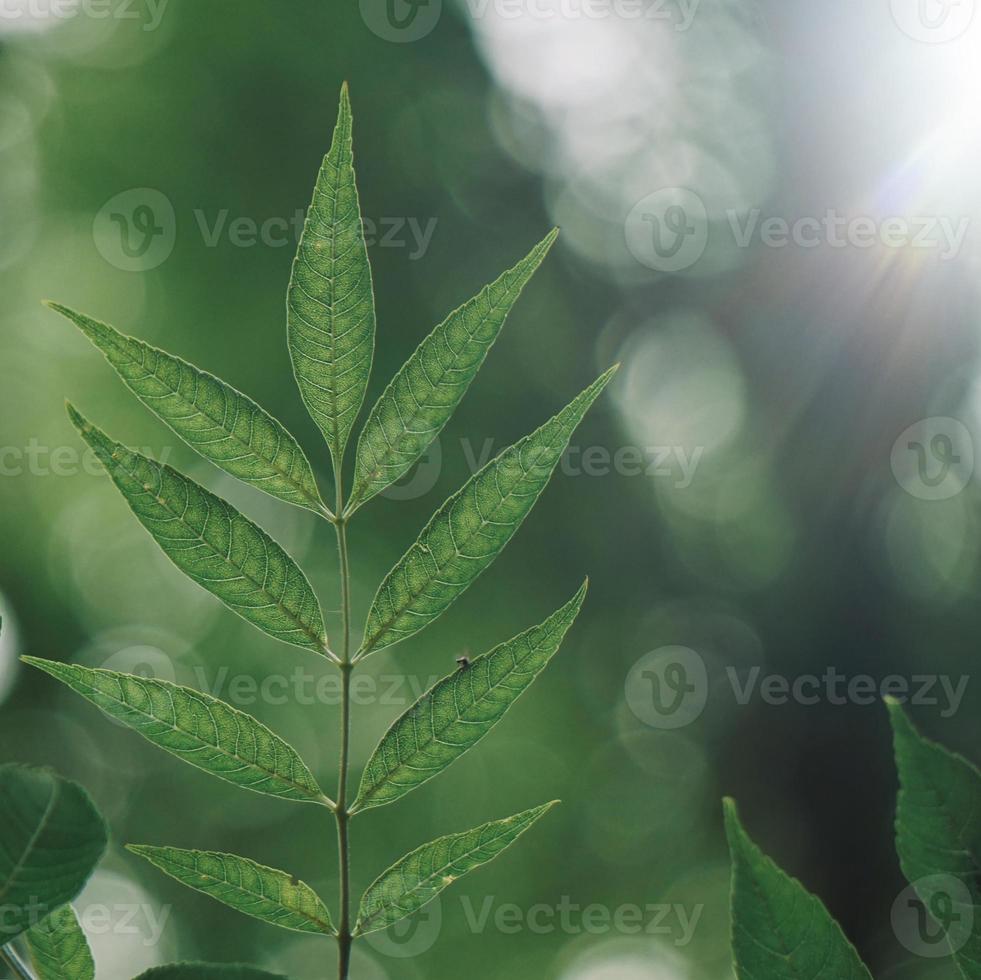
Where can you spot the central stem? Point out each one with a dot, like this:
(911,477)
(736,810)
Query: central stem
(344,938)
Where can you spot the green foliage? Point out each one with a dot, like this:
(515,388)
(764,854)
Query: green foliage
(59,949)
(264,893)
(213,544)
(471,529)
(420,876)
(330,304)
(51,838)
(938,832)
(779,930)
(207,971)
(425,392)
(330,334)
(460,710)
(195,727)
(221,423)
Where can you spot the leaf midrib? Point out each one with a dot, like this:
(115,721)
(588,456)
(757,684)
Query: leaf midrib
(201,411)
(414,594)
(292,617)
(321,924)
(436,873)
(366,483)
(945,810)
(277,777)
(42,825)
(491,689)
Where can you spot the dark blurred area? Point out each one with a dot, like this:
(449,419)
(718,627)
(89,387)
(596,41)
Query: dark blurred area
(768,216)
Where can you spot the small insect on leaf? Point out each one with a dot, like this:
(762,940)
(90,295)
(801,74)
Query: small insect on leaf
(452,717)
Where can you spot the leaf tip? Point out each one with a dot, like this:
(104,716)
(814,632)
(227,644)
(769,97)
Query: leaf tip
(902,725)
(344,107)
(730,813)
(66,311)
(78,420)
(609,373)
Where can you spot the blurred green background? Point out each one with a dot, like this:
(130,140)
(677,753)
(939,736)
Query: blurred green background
(776,521)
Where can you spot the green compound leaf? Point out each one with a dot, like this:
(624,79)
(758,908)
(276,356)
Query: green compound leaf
(469,531)
(420,876)
(261,892)
(330,306)
(426,391)
(460,710)
(195,727)
(59,949)
(222,424)
(207,971)
(938,836)
(213,544)
(779,930)
(51,839)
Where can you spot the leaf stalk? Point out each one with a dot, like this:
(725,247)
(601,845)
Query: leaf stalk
(341,813)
